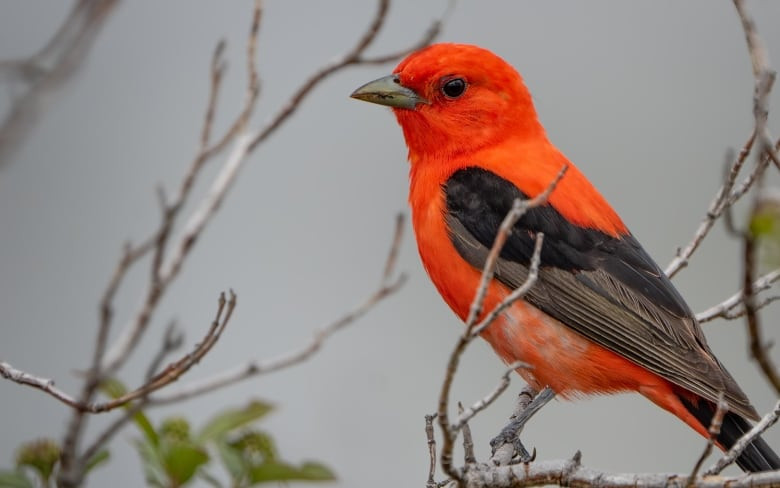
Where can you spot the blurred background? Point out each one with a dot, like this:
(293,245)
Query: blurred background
(645,97)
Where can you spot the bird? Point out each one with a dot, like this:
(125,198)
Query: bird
(601,317)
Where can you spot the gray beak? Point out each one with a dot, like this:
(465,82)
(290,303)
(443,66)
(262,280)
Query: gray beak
(388,91)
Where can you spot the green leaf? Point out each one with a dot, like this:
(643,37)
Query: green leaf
(232,419)
(98,459)
(233,461)
(182,460)
(278,471)
(14,479)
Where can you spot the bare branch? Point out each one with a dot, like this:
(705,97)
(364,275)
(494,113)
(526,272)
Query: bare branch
(714,431)
(387,287)
(353,57)
(431,483)
(472,411)
(723,308)
(468,441)
(44,384)
(244,144)
(518,209)
(571,472)
(47,71)
(721,200)
(170,374)
(172,340)
(766,421)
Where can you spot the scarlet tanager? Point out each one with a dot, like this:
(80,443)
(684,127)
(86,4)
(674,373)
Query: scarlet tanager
(602,316)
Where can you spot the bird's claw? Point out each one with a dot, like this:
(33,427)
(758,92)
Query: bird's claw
(509,436)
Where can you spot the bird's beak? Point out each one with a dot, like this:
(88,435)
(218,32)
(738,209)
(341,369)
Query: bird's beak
(389,91)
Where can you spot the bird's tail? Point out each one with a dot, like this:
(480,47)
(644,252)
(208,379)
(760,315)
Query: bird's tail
(756,457)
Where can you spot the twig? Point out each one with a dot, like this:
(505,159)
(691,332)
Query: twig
(519,207)
(723,308)
(164,273)
(721,200)
(8,372)
(388,286)
(46,72)
(757,348)
(517,293)
(472,411)
(517,211)
(170,374)
(766,421)
(714,431)
(431,483)
(245,143)
(764,78)
(468,442)
(172,340)
(352,58)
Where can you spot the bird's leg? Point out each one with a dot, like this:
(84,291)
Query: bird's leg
(506,445)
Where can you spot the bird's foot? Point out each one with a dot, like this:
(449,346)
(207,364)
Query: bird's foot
(529,402)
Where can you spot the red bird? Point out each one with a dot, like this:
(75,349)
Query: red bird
(602,316)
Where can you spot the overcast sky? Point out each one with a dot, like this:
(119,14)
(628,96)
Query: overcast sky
(644,97)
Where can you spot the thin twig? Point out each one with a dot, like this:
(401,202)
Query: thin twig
(46,385)
(473,410)
(46,72)
(172,340)
(518,209)
(388,285)
(714,431)
(766,422)
(715,209)
(431,483)
(723,308)
(468,441)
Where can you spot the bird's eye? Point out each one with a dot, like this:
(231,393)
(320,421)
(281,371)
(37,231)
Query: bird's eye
(454,87)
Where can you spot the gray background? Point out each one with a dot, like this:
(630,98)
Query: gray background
(644,97)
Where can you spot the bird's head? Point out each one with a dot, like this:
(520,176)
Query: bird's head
(452,99)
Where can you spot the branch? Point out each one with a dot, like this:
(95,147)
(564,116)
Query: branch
(571,472)
(245,142)
(485,402)
(47,71)
(718,204)
(388,285)
(518,209)
(170,374)
(715,425)
(724,308)
(766,421)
